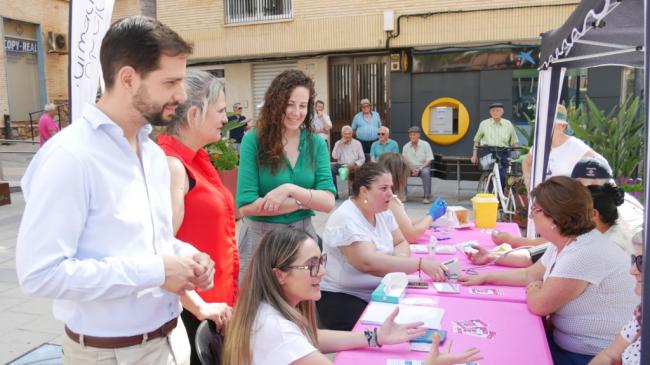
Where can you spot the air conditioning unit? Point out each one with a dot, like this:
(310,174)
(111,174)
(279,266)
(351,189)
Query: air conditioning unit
(57,42)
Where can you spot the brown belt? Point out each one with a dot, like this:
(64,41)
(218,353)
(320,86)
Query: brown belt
(119,342)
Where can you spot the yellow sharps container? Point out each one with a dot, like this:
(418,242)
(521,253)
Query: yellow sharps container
(485,210)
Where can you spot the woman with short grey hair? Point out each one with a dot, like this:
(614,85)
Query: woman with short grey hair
(202,207)
(626,348)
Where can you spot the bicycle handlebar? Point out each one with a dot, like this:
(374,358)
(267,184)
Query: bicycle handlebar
(495,148)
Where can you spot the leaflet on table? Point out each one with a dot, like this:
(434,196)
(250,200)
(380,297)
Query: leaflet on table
(391,289)
(377,312)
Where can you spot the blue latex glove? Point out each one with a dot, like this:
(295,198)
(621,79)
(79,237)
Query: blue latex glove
(438,208)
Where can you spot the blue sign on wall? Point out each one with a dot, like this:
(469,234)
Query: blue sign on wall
(20,45)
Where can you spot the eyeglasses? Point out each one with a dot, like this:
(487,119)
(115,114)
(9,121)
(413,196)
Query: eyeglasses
(638,261)
(313,266)
(381,134)
(534,210)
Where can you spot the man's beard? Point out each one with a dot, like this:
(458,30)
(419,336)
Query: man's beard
(152,112)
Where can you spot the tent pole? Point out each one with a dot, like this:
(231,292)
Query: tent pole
(597,55)
(645,328)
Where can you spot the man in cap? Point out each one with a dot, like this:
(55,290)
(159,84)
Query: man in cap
(418,154)
(366,124)
(494,132)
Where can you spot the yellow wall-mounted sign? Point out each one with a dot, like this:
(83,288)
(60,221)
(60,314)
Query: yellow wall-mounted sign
(445,121)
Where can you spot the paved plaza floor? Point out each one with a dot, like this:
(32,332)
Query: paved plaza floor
(27,323)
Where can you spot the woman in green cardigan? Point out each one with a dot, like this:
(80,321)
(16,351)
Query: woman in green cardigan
(284,169)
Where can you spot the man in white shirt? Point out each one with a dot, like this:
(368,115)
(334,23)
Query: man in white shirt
(96,234)
(418,154)
(321,122)
(347,152)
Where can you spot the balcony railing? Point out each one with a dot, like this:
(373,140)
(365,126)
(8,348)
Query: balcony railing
(251,11)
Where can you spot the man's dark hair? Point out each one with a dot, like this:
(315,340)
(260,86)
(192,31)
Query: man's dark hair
(138,41)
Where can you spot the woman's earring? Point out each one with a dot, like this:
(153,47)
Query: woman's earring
(365,201)
(553,226)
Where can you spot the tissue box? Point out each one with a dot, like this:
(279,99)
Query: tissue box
(379,295)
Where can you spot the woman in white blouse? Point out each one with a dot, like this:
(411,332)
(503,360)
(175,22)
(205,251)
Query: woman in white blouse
(363,242)
(565,153)
(626,348)
(580,281)
(274,320)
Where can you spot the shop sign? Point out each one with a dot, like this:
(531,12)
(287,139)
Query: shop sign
(20,45)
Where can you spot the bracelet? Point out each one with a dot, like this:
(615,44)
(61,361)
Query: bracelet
(420,267)
(310,196)
(371,337)
(376,337)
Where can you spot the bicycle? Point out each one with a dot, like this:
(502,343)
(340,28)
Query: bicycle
(490,180)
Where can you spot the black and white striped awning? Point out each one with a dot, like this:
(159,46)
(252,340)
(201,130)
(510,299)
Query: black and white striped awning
(599,32)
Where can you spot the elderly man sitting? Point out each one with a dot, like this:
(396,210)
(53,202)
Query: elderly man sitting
(383,145)
(418,154)
(347,152)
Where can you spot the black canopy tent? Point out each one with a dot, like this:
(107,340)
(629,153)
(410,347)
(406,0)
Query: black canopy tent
(598,33)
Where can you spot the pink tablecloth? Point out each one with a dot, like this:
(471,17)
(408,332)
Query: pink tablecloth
(482,236)
(518,338)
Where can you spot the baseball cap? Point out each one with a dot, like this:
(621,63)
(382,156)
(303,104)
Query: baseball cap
(496,105)
(592,168)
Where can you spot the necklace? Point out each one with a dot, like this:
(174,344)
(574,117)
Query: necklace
(557,256)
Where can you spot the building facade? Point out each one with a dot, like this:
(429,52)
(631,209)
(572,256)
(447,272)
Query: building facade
(408,57)
(403,55)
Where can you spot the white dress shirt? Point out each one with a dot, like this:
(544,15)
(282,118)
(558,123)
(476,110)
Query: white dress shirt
(97,220)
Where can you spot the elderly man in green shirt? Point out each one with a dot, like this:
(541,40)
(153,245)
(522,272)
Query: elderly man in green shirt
(495,132)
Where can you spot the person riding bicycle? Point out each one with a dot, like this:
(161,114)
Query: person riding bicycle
(495,132)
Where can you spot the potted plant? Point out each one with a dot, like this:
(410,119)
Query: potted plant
(225,158)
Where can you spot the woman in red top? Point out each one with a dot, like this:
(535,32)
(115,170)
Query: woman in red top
(202,207)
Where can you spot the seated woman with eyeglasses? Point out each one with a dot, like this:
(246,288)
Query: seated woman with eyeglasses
(606,199)
(626,347)
(363,242)
(580,281)
(274,320)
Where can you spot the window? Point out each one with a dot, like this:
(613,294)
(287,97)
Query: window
(250,11)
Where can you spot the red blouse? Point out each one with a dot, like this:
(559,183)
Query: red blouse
(209,220)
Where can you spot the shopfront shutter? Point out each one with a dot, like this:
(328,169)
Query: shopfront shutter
(263,74)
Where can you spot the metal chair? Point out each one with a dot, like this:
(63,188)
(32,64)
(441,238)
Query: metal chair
(208,343)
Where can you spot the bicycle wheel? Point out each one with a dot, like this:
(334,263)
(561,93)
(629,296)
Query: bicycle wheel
(483,182)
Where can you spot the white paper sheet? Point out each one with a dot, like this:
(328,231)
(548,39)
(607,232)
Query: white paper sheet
(377,312)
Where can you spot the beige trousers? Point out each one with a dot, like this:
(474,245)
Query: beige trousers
(171,350)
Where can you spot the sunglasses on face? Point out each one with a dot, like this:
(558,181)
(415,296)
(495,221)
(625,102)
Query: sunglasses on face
(638,261)
(381,134)
(313,266)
